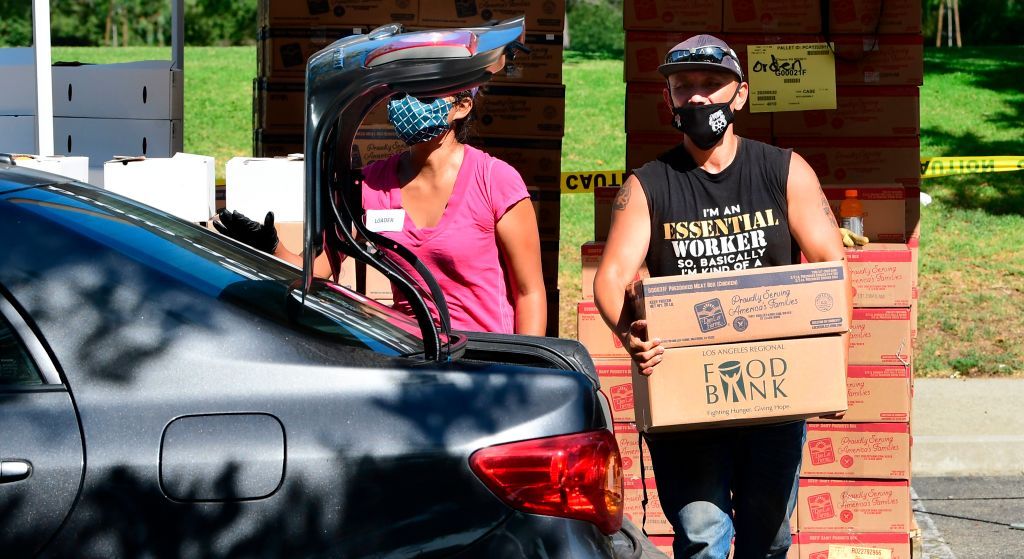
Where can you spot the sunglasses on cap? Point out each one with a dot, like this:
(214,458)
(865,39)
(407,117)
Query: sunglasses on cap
(711,54)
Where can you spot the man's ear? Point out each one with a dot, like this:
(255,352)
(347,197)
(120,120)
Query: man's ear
(741,97)
(667,98)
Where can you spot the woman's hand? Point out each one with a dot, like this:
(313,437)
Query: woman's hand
(259,236)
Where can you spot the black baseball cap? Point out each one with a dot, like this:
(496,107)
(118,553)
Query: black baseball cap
(701,52)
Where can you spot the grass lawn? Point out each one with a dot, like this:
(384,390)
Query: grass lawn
(972,264)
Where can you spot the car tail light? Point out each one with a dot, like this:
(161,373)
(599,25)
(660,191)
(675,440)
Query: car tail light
(573,476)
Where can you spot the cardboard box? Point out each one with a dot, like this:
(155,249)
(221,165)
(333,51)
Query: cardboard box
(539,161)
(664,544)
(744,305)
(645,51)
(642,148)
(836,505)
(698,16)
(617,384)
(181,185)
(743,383)
(879,59)
(146,89)
(877,393)
(517,111)
(74,168)
(100,139)
(646,112)
(290,234)
(373,283)
(912,217)
(280,104)
(860,160)
(594,334)
(860,59)
(604,197)
(815,545)
(547,206)
(549,261)
(629,449)
(772,16)
(276,143)
(283,51)
(255,186)
(884,209)
(883,275)
(540,16)
(275,13)
(857,450)
(861,111)
(881,337)
(656,523)
(373,142)
(590,258)
(542,65)
(875,16)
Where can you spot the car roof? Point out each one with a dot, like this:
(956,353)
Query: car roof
(13,178)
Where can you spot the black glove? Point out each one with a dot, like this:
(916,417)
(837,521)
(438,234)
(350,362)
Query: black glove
(242,229)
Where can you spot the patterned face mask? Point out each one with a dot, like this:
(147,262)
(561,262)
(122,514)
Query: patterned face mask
(416,121)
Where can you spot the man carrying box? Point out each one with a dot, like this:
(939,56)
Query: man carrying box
(715,202)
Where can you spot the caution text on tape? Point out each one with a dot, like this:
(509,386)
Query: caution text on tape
(584,182)
(946,166)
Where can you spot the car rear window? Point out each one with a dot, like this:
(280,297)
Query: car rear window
(225,269)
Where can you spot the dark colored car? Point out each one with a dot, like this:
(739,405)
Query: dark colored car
(167,392)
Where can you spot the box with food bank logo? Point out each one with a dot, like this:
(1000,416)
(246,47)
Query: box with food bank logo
(878,393)
(846,505)
(883,275)
(595,335)
(617,384)
(816,545)
(628,439)
(857,450)
(742,305)
(633,493)
(743,383)
(881,337)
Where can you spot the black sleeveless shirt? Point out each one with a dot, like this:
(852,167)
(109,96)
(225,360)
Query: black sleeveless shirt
(704,222)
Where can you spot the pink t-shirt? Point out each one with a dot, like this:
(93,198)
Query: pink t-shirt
(461,251)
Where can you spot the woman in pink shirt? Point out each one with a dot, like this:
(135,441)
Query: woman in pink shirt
(465,214)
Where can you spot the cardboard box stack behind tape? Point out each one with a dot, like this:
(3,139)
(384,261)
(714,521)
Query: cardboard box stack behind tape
(520,116)
(869,142)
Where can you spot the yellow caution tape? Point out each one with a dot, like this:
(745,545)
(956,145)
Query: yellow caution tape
(585,182)
(947,166)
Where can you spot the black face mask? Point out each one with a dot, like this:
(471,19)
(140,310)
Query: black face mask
(704,124)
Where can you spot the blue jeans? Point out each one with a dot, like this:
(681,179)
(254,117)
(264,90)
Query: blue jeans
(717,483)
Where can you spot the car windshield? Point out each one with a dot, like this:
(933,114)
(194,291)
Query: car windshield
(225,269)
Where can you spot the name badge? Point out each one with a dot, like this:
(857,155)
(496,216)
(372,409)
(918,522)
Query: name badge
(380,221)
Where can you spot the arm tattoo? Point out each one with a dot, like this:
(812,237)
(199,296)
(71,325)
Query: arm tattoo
(828,211)
(622,198)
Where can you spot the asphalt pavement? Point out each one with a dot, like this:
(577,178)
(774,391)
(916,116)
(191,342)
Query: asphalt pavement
(968,467)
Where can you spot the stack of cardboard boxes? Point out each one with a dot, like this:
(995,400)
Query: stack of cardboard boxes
(856,471)
(519,116)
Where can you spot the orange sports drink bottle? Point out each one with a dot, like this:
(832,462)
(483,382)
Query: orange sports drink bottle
(851,213)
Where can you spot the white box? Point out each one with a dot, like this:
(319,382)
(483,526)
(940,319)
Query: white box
(100,139)
(18,76)
(257,185)
(75,168)
(146,89)
(182,185)
(17,133)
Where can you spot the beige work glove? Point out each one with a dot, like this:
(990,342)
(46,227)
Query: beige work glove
(852,239)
